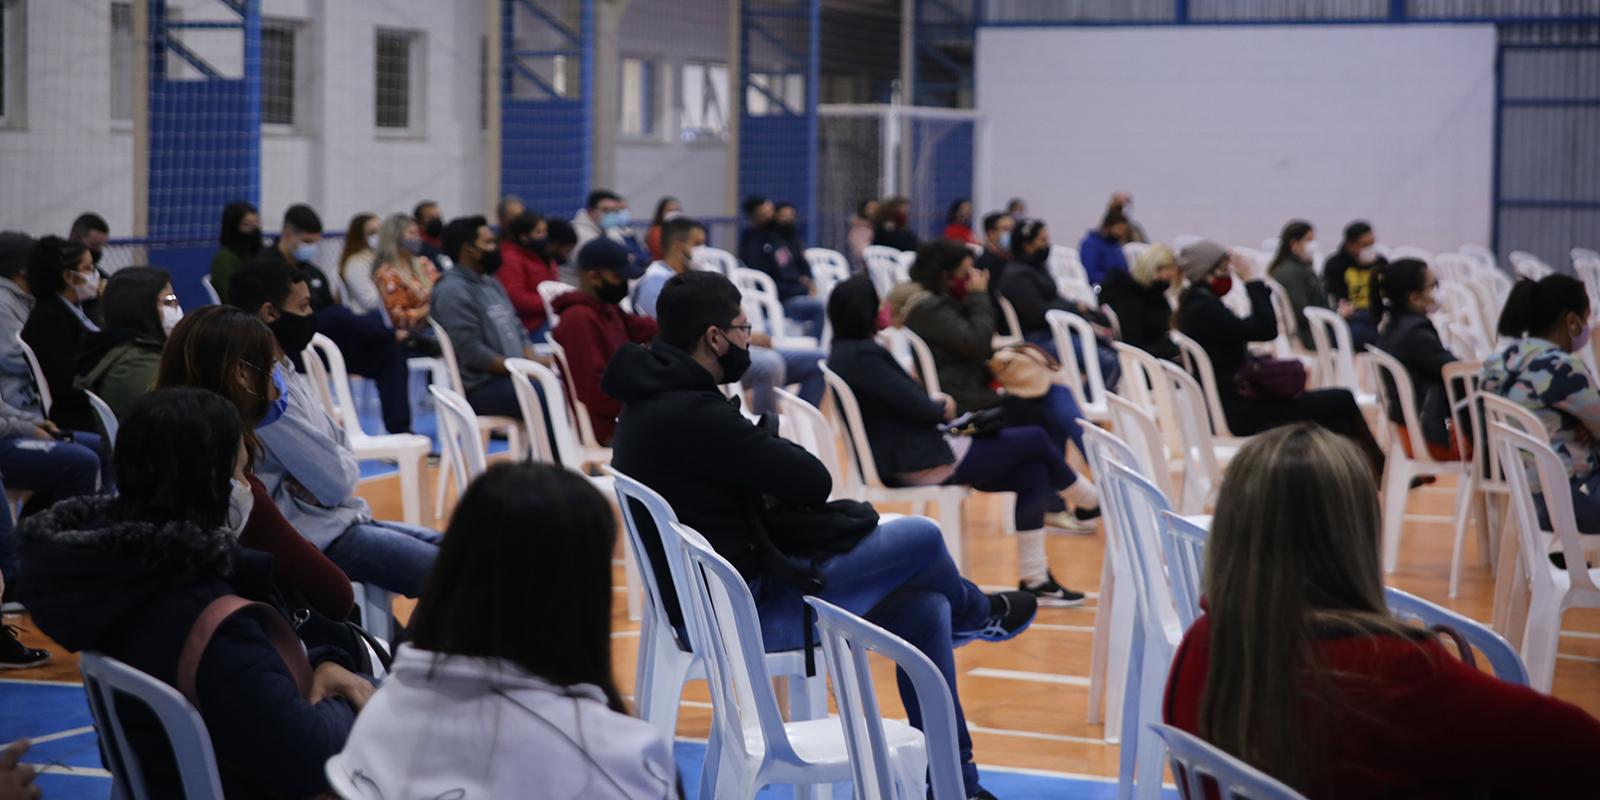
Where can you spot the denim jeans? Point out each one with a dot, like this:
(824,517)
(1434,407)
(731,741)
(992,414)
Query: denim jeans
(809,311)
(390,555)
(901,578)
(53,470)
(1021,460)
(770,369)
(495,397)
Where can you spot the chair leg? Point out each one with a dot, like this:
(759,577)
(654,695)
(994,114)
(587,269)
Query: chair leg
(1539,645)
(1104,609)
(662,671)
(1118,656)
(1463,509)
(1129,751)
(411,494)
(1506,578)
(1152,754)
(1396,484)
(1488,537)
(949,505)
(635,585)
(808,697)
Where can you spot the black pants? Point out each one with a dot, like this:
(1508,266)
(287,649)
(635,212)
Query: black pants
(370,351)
(1334,409)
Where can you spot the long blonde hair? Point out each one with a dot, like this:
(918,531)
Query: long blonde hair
(1293,555)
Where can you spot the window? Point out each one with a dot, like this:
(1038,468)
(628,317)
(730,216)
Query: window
(638,97)
(122,61)
(398,80)
(772,93)
(280,67)
(703,103)
(13,62)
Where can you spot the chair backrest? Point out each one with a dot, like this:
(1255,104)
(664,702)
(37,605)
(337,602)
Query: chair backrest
(1009,312)
(1201,470)
(727,634)
(1139,503)
(1503,658)
(458,430)
(759,295)
(548,292)
(1336,359)
(1529,265)
(1198,765)
(927,368)
(1497,409)
(1063,324)
(1072,280)
(542,417)
(1103,448)
(1461,379)
(846,641)
(828,268)
(712,259)
(1198,362)
(580,412)
(848,411)
(1183,544)
(1483,255)
(447,351)
(337,382)
(883,266)
(1288,327)
(662,517)
(106,681)
(1548,478)
(1142,383)
(40,385)
(107,417)
(211,291)
(1389,372)
(1588,269)
(806,426)
(1136,425)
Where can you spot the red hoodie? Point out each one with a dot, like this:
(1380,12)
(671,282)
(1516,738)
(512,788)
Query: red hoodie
(591,332)
(521,272)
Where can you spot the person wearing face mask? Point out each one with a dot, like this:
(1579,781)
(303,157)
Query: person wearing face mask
(1101,249)
(91,231)
(403,276)
(1291,268)
(523,243)
(131,577)
(1032,292)
(477,314)
(1541,369)
(62,277)
(240,241)
(681,437)
(958,222)
(357,258)
(1123,201)
(593,327)
(298,245)
(1350,278)
(1411,293)
(119,363)
(430,226)
(605,213)
(667,208)
(891,225)
(770,244)
(1141,299)
(1225,337)
(997,230)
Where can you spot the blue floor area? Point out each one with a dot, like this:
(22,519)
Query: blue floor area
(423,422)
(42,710)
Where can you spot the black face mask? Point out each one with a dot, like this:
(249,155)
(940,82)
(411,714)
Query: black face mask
(1037,258)
(94,256)
(734,363)
(612,292)
(536,246)
(293,332)
(1160,286)
(785,230)
(490,262)
(434,227)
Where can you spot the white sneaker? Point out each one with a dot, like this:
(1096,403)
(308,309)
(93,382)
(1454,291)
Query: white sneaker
(1073,521)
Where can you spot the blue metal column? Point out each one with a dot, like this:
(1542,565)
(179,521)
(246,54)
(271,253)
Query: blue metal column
(778,148)
(546,124)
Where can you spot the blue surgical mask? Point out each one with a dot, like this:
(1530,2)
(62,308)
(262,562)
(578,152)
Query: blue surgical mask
(615,219)
(276,408)
(306,251)
(1005,240)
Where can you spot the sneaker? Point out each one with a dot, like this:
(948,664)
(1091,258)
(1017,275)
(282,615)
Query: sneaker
(983,794)
(1010,613)
(1079,521)
(13,655)
(1053,594)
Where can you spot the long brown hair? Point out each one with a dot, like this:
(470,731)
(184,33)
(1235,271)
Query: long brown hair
(211,347)
(1293,555)
(355,240)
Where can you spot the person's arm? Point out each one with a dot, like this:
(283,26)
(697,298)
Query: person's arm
(1333,279)
(1017,287)
(1213,317)
(970,336)
(522,289)
(461,320)
(649,290)
(46,333)
(1424,353)
(296,562)
(223,265)
(1573,391)
(753,460)
(641,329)
(300,443)
(882,379)
(753,254)
(579,334)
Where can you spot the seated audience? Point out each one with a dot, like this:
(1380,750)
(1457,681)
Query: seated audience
(91,231)
(680,436)
(240,241)
(958,222)
(1017,208)
(1350,277)
(771,245)
(478,700)
(1101,249)
(16,377)
(1410,292)
(130,577)
(523,266)
(1123,201)
(1292,269)
(404,277)
(306,462)
(860,235)
(1032,292)
(1226,337)
(119,363)
(1298,668)
(1541,368)
(605,213)
(903,429)
(357,260)
(509,208)
(561,241)
(668,208)
(891,226)
(769,368)
(997,230)
(477,314)
(1141,299)
(430,227)
(61,277)
(593,327)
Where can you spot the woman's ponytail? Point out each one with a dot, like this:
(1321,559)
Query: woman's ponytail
(1535,308)
(1514,316)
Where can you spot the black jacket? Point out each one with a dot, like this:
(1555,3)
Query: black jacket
(678,435)
(56,336)
(779,255)
(898,238)
(900,418)
(1412,339)
(132,590)
(960,334)
(1142,312)
(1032,291)
(1335,282)
(1222,334)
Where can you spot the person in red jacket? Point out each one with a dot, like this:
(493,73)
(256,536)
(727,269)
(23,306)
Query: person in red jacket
(523,266)
(593,326)
(1299,669)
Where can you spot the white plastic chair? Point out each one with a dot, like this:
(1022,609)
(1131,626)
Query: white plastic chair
(883,265)
(828,269)
(211,291)
(750,745)
(913,354)
(1335,355)
(406,451)
(1198,362)
(1510,579)
(765,310)
(590,449)
(461,449)
(666,663)
(1503,658)
(1072,280)
(1183,547)
(1142,384)
(1554,590)
(512,428)
(106,681)
(1483,255)
(1137,426)
(1203,458)
(711,259)
(846,640)
(1529,266)
(1114,611)
(1092,402)
(1009,313)
(802,423)
(1478,473)
(1198,766)
(548,292)
(1400,468)
(107,417)
(39,382)
(1287,344)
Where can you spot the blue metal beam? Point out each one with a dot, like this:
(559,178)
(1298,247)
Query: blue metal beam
(549,19)
(783,47)
(193,59)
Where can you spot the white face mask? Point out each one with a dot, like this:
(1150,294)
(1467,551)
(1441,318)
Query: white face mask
(89,289)
(170,317)
(240,503)
(1433,302)
(1368,255)
(372,241)
(1582,339)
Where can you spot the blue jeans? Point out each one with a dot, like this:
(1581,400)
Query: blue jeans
(1021,460)
(901,578)
(1363,330)
(770,369)
(52,470)
(809,311)
(390,555)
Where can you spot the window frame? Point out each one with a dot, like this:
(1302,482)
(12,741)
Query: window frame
(650,116)
(706,135)
(416,84)
(300,83)
(14,70)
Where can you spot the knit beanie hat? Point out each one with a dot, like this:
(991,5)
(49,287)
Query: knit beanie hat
(1198,259)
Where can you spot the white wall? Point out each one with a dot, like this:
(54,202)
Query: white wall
(1228,132)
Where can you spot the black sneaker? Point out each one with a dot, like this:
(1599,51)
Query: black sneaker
(1053,594)
(1010,613)
(983,794)
(13,655)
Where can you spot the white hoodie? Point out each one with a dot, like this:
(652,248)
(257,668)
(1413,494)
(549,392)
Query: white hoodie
(468,728)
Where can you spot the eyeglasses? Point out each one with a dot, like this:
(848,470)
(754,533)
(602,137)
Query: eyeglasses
(746,328)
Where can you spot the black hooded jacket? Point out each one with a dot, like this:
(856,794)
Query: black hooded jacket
(131,590)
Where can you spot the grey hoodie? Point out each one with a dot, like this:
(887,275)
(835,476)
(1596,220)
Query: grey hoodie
(308,467)
(17,392)
(477,314)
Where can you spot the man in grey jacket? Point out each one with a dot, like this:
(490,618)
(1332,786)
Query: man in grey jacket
(306,462)
(477,314)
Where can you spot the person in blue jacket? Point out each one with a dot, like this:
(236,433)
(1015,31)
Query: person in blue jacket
(1101,249)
